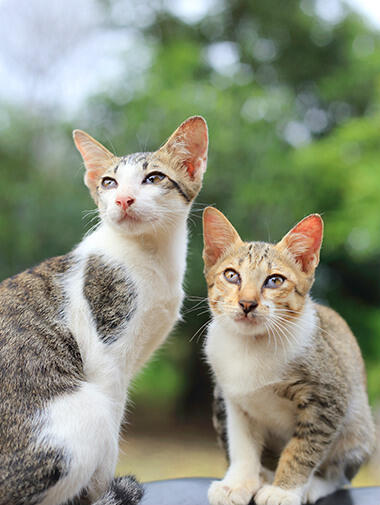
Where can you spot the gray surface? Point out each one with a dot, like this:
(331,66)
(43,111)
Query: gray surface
(194,492)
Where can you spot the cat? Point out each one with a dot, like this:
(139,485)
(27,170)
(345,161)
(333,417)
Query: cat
(76,329)
(290,395)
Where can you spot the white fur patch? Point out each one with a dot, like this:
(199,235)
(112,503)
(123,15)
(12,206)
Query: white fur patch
(85,424)
(318,488)
(243,363)
(274,495)
(229,493)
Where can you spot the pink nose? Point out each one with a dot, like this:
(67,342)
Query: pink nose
(124,202)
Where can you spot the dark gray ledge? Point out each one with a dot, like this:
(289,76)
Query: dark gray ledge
(194,492)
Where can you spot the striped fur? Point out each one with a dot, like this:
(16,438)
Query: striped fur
(76,329)
(290,394)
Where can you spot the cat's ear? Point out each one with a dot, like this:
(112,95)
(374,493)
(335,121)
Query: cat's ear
(304,242)
(189,145)
(218,235)
(97,159)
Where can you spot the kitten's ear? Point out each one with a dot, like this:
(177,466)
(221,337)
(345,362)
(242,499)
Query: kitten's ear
(218,236)
(97,159)
(304,242)
(189,144)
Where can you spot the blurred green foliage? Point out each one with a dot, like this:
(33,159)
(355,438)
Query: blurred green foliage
(293,107)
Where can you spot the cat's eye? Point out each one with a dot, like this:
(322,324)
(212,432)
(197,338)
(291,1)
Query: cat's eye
(274,281)
(232,276)
(154,178)
(109,183)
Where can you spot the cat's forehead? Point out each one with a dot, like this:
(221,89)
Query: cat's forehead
(256,253)
(139,160)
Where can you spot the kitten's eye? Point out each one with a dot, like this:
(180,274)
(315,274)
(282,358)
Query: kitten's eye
(154,178)
(232,276)
(274,281)
(109,183)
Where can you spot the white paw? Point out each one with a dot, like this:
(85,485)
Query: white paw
(318,488)
(274,495)
(227,493)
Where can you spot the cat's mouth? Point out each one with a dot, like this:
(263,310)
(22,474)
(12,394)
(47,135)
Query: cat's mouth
(128,217)
(251,319)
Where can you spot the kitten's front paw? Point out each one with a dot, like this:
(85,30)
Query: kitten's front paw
(274,495)
(228,493)
(318,488)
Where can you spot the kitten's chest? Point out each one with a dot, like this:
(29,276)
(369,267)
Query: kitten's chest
(247,372)
(275,415)
(242,367)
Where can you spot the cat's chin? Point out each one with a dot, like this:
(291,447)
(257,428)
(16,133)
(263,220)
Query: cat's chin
(248,326)
(132,224)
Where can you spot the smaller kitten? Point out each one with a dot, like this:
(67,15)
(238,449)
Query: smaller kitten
(290,392)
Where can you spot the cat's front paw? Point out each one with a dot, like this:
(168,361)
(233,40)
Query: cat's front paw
(275,495)
(227,493)
(318,488)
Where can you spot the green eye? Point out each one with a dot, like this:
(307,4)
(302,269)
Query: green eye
(274,281)
(108,183)
(154,178)
(232,276)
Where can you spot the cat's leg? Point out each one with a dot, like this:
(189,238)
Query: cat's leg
(319,487)
(28,473)
(84,426)
(315,431)
(348,452)
(242,479)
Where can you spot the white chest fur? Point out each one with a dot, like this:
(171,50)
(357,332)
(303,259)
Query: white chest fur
(247,368)
(242,366)
(156,268)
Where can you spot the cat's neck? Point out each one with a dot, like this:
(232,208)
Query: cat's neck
(165,246)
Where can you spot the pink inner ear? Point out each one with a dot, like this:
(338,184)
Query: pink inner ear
(312,228)
(190,140)
(304,240)
(190,168)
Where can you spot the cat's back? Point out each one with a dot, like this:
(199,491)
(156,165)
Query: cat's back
(341,344)
(39,358)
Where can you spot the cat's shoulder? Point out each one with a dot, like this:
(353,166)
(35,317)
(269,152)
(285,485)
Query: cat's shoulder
(331,320)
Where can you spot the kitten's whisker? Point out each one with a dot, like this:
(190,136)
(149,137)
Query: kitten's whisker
(195,306)
(306,328)
(201,330)
(280,328)
(276,336)
(296,324)
(269,333)
(203,312)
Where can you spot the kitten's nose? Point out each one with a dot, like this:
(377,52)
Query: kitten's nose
(248,305)
(124,201)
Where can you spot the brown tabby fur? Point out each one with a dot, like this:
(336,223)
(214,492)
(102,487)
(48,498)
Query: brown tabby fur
(323,382)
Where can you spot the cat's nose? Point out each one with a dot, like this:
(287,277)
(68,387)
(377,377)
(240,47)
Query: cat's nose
(125,202)
(248,305)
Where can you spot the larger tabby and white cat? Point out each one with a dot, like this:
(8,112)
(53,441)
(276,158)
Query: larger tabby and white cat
(290,391)
(75,329)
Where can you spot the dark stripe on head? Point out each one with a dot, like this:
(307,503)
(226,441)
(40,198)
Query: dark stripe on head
(180,190)
(250,252)
(264,255)
(142,157)
(145,165)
